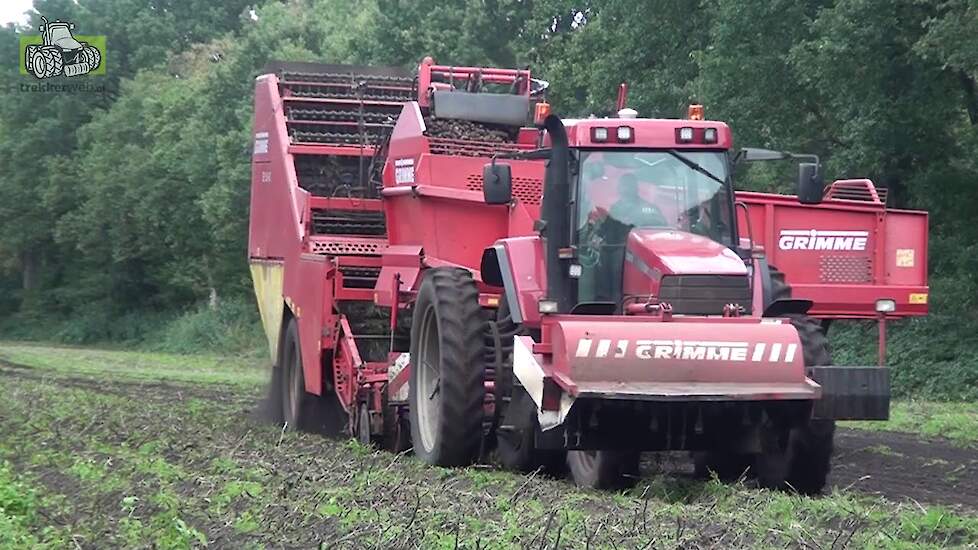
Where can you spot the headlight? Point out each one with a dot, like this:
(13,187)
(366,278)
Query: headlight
(547,306)
(885,306)
(624,133)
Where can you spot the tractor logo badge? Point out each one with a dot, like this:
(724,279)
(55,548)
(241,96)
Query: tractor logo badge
(57,51)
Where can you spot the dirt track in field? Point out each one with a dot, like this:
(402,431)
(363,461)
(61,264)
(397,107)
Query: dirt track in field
(893,465)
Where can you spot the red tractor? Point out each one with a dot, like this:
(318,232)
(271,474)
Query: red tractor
(441,263)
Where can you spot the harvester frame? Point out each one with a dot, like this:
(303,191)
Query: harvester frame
(418,284)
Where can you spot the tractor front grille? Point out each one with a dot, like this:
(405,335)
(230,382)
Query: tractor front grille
(704,294)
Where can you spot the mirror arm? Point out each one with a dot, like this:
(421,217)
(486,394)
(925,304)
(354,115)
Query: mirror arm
(805,156)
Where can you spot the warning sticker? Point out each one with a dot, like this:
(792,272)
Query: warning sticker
(905,257)
(918,297)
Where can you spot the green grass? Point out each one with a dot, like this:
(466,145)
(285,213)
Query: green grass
(140,366)
(957,422)
(125,463)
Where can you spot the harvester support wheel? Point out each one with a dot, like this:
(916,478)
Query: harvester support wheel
(397,429)
(447,389)
(301,410)
(612,470)
(294,397)
(363,425)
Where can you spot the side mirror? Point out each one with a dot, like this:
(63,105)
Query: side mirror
(497,183)
(810,184)
(751,154)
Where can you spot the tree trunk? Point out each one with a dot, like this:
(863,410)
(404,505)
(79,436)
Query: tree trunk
(30,262)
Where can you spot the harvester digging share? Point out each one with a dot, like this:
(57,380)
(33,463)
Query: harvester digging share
(443,264)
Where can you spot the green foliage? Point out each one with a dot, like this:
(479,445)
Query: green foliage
(119,209)
(955,421)
(231,327)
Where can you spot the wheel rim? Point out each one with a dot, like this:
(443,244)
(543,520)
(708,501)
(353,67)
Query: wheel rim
(429,379)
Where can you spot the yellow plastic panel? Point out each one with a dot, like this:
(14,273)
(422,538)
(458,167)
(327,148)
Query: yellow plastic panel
(268,278)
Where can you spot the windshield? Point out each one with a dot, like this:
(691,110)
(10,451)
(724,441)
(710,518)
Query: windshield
(623,190)
(655,189)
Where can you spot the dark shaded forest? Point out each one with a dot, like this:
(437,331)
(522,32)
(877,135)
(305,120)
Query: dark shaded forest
(123,213)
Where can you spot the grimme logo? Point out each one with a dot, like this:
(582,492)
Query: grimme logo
(815,239)
(686,350)
(57,51)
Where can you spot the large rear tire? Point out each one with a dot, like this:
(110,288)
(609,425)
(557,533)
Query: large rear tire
(804,463)
(608,470)
(447,393)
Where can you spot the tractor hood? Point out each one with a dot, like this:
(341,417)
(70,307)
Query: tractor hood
(692,273)
(673,252)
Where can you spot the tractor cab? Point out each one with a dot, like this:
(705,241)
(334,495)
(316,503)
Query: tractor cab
(626,199)
(639,210)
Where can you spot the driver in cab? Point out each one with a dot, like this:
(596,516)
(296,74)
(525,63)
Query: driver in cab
(633,210)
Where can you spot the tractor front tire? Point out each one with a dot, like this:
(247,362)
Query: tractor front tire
(516,438)
(810,445)
(804,463)
(447,389)
(606,470)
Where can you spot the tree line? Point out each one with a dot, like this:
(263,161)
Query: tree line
(135,200)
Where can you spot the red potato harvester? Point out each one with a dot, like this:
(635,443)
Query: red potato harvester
(442,263)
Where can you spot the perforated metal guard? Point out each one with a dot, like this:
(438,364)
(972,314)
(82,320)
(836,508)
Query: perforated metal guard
(347,247)
(845,269)
(527,190)
(464,147)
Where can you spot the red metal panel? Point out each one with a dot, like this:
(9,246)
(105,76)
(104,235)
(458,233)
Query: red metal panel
(906,248)
(277,203)
(648,133)
(689,358)
(441,209)
(308,295)
(529,274)
(843,254)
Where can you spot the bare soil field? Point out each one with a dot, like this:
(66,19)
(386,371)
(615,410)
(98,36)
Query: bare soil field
(112,449)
